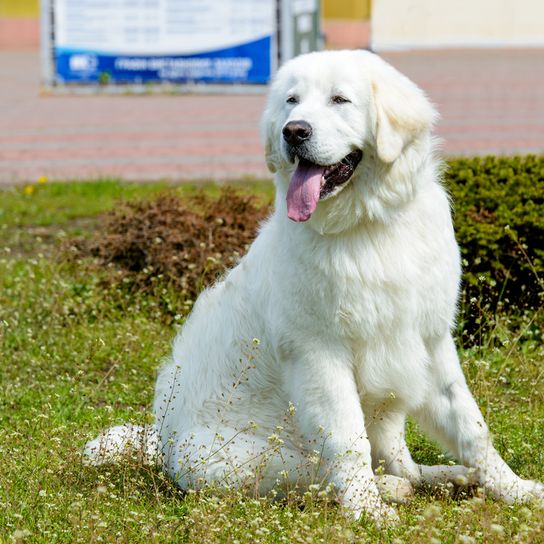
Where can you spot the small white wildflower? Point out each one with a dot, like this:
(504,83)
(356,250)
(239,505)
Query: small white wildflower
(18,534)
(496,528)
(432,511)
(275,439)
(315,457)
(461,479)
(525,512)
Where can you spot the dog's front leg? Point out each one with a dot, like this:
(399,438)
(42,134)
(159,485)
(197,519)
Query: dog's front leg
(330,419)
(452,416)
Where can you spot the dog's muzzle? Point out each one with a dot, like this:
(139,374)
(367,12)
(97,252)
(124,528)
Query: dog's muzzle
(312,182)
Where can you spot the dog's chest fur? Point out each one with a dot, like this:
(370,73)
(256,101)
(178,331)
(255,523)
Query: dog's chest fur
(379,293)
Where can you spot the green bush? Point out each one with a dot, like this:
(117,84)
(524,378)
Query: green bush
(498,207)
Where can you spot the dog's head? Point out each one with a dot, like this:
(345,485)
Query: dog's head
(335,124)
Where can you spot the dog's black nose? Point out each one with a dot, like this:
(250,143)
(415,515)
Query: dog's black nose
(296,132)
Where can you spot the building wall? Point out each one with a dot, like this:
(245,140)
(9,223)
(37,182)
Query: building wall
(346,23)
(396,24)
(19,8)
(463,23)
(19,24)
(346,9)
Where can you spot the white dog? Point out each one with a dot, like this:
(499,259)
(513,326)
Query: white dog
(301,366)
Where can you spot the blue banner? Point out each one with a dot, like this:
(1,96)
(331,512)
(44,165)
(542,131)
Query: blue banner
(243,63)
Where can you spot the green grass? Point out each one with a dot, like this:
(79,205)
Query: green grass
(77,357)
(59,203)
(36,216)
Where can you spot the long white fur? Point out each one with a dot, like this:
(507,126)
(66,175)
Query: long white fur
(300,367)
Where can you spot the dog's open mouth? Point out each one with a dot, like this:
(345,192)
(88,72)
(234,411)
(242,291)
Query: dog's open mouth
(313,182)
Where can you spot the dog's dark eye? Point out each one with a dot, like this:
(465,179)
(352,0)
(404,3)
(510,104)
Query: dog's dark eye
(292,100)
(338,99)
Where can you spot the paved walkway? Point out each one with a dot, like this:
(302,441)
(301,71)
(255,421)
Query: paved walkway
(491,101)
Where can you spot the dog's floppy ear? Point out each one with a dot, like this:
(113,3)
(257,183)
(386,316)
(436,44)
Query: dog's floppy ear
(268,133)
(269,154)
(402,111)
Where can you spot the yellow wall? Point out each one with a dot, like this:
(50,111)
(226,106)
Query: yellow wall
(19,8)
(345,9)
(331,9)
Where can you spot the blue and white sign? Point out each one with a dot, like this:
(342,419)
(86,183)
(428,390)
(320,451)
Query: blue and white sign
(138,41)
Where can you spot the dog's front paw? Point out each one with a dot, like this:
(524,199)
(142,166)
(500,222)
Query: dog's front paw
(394,489)
(382,515)
(518,490)
(532,491)
(370,506)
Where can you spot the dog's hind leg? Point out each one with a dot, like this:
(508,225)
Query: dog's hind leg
(232,459)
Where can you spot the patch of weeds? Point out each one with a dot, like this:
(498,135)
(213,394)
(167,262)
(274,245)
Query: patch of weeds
(174,247)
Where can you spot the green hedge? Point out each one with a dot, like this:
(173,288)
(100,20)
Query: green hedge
(498,207)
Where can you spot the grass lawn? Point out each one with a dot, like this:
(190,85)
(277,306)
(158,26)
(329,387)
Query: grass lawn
(77,356)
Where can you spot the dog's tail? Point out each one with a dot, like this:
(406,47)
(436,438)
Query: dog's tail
(140,442)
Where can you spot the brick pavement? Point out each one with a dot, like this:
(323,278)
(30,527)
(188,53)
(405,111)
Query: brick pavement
(491,101)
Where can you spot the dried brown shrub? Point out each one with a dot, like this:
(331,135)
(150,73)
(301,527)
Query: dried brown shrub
(187,243)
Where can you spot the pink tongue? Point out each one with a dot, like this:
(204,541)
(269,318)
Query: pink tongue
(303,192)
